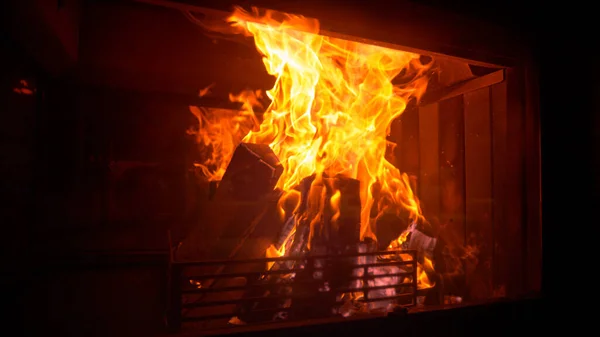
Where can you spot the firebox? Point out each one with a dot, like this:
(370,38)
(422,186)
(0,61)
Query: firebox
(373,177)
(300,163)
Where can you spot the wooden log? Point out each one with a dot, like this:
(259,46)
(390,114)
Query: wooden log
(252,172)
(419,241)
(241,196)
(332,231)
(393,151)
(335,232)
(345,231)
(242,222)
(253,242)
(478,193)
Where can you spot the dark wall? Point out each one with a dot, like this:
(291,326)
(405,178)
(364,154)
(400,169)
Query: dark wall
(20,100)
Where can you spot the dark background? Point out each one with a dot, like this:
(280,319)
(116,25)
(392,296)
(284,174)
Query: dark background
(38,159)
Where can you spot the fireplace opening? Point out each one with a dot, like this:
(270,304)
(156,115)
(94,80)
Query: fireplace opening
(298,167)
(367,179)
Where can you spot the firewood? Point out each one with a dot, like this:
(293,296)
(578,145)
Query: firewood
(419,241)
(242,223)
(252,172)
(388,227)
(337,233)
(243,193)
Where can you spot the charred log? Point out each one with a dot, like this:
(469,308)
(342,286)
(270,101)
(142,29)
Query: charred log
(244,193)
(253,172)
(388,227)
(334,228)
(242,222)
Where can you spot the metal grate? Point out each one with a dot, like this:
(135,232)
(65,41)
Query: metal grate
(209,292)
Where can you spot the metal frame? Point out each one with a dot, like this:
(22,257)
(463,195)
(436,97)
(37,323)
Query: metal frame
(179,292)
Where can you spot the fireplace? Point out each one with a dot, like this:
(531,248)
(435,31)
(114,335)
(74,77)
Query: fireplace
(300,163)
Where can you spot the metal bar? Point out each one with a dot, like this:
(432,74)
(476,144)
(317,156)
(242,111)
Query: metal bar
(246,287)
(462,87)
(283,297)
(267,286)
(225,289)
(229,302)
(371,277)
(365,282)
(251,274)
(289,271)
(384,264)
(414,281)
(292,258)
(229,315)
(387,298)
(349,290)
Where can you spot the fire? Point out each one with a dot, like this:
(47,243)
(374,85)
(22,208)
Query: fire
(423,281)
(332,105)
(330,113)
(272,251)
(219,131)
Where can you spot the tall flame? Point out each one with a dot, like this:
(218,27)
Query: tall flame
(332,105)
(331,108)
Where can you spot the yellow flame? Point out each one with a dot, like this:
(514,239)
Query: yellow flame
(335,206)
(330,113)
(399,241)
(272,251)
(332,105)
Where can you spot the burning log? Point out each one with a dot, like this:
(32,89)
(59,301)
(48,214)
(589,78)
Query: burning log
(388,227)
(242,221)
(419,241)
(429,249)
(243,193)
(330,214)
(252,172)
(337,226)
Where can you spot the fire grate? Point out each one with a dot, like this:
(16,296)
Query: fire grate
(313,287)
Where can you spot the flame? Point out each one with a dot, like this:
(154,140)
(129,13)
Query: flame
(330,113)
(335,205)
(332,105)
(400,240)
(219,131)
(272,251)
(423,281)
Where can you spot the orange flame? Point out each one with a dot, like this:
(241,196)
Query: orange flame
(332,105)
(272,251)
(330,113)
(423,281)
(219,131)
